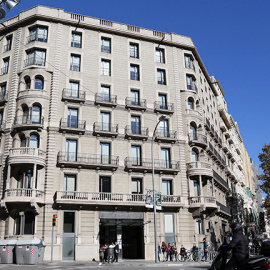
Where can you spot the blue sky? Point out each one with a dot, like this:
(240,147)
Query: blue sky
(232,38)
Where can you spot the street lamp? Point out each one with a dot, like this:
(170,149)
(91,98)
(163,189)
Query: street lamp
(161,118)
(10,4)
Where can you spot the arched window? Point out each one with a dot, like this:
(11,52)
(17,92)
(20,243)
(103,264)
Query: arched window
(34,141)
(27,82)
(25,115)
(194,155)
(36,114)
(193,131)
(190,104)
(39,83)
(23,141)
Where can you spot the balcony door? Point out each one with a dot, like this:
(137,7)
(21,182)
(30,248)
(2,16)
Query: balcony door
(165,158)
(196,184)
(69,185)
(164,127)
(193,132)
(72,118)
(71,150)
(36,115)
(136,155)
(162,101)
(105,121)
(105,184)
(25,115)
(135,98)
(135,125)
(104,153)
(73,89)
(105,93)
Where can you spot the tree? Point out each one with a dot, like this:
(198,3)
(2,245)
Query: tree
(264,158)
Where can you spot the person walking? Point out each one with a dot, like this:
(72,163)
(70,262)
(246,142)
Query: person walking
(159,251)
(169,258)
(101,255)
(116,252)
(205,250)
(174,251)
(105,248)
(164,251)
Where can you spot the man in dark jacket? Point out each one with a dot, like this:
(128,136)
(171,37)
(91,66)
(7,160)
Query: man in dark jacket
(239,246)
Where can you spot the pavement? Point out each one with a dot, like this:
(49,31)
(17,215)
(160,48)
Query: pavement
(123,264)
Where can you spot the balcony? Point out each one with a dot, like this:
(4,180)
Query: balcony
(106,100)
(135,132)
(136,104)
(105,129)
(207,124)
(164,108)
(34,61)
(7,47)
(36,37)
(197,139)
(4,70)
(169,136)
(23,195)
(199,168)
(192,86)
(27,155)
(31,122)
(111,199)
(98,162)
(145,165)
(67,125)
(73,95)
(3,97)
(223,210)
(220,181)
(202,201)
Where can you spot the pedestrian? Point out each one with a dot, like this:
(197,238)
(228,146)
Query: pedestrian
(169,252)
(105,248)
(174,251)
(101,255)
(116,251)
(183,253)
(164,251)
(205,250)
(159,251)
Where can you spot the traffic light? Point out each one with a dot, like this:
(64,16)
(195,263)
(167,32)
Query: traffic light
(54,220)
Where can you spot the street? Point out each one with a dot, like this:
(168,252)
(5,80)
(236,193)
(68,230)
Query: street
(125,265)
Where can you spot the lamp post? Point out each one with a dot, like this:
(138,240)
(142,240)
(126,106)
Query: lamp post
(9,5)
(161,118)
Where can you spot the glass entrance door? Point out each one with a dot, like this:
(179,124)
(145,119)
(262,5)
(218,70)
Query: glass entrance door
(69,236)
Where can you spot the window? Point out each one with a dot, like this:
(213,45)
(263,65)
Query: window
(69,182)
(194,156)
(169,228)
(193,131)
(135,97)
(75,62)
(76,40)
(36,115)
(25,115)
(27,82)
(134,73)
(24,224)
(164,128)
(160,56)
(188,62)
(105,93)
(4,69)
(1,117)
(134,50)
(71,150)
(25,179)
(136,186)
(72,118)
(161,78)
(8,45)
(135,125)
(105,67)
(190,83)
(105,184)
(190,104)
(35,57)
(136,155)
(73,89)
(38,34)
(196,185)
(39,83)
(105,122)
(105,153)
(23,141)
(68,227)
(166,187)
(34,141)
(106,45)
(162,100)
(3,90)
(165,158)
(199,226)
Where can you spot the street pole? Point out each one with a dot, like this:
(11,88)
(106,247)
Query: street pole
(52,245)
(161,118)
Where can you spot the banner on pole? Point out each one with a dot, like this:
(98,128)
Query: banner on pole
(149,198)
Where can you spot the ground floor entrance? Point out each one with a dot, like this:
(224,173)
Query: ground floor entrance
(128,231)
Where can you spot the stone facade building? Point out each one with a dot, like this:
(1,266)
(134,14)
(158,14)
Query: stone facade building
(80,99)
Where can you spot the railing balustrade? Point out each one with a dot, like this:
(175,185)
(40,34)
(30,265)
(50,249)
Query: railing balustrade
(133,102)
(73,94)
(24,192)
(105,98)
(27,151)
(163,106)
(105,127)
(29,120)
(136,130)
(77,124)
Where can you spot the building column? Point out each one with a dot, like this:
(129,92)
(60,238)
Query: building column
(34,176)
(8,177)
(213,187)
(200,182)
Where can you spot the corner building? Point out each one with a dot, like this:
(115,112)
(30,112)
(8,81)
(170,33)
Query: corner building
(80,98)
